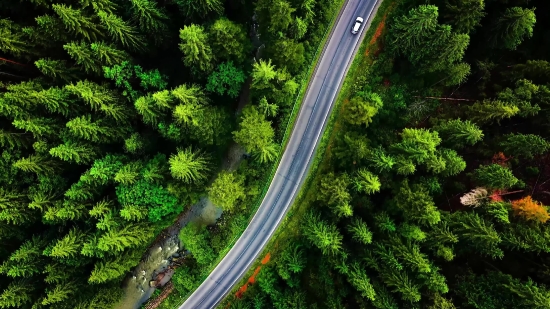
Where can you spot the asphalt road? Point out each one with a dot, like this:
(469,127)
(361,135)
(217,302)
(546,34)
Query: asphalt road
(292,170)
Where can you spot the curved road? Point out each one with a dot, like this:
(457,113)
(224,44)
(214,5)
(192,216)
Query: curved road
(329,74)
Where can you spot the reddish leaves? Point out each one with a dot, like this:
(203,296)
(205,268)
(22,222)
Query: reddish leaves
(530,210)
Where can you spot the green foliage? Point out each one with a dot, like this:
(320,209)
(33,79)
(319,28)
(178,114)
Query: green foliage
(197,53)
(195,239)
(255,133)
(524,145)
(227,190)
(226,79)
(362,108)
(189,166)
(512,27)
(494,176)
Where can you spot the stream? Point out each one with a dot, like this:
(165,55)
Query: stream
(159,256)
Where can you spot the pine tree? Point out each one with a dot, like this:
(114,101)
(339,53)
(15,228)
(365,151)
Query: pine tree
(36,164)
(359,279)
(200,7)
(132,235)
(110,270)
(129,173)
(411,232)
(269,110)
(226,190)
(69,245)
(14,139)
(133,212)
(100,5)
(146,107)
(134,144)
(512,27)
(418,145)
(121,31)
(401,283)
(460,133)
(189,166)
(366,182)
(74,152)
(107,54)
(78,23)
(478,233)
(150,18)
(494,176)
(454,164)
(93,94)
(37,126)
(56,69)
(229,40)
(60,293)
(190,94)
(531,295)
(197,53)
(13,40)
(489,111)
(360,231)
(17,294)
(361,109)
(417,205)
(323,235)
(465,15)
(524,145)
(262,74)
(255,132)
(84,56)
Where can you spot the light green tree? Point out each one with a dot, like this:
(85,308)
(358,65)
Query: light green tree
(75,21)
(189,166)
(121,31)
(227,190)
(195,47)
(512,27)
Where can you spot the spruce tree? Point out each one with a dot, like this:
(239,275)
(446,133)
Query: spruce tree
(77,22)
(121,31)
(197,53)
(189,166)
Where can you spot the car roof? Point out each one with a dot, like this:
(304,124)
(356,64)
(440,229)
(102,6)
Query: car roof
(359,19)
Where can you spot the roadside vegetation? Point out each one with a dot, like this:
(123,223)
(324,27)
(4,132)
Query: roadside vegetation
(433,187)
(116,117)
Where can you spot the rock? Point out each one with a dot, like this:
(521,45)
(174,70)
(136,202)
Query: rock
(153,283)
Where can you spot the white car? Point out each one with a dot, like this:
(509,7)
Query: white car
(357,25)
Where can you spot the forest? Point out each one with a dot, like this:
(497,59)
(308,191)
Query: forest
(436,184)
(116,116)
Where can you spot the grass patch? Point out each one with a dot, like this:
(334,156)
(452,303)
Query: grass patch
(290,226)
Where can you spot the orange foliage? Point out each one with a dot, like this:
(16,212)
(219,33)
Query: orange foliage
(500,159)
(379,30)
(496,196)
(530,209)
(252,278)
(266,258)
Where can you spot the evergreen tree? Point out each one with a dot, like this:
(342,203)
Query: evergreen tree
(489,111)
(56,69)
(460,133)
(465,15)
(512,27)
(417,204)
(17,294)
(121,31)
(107,54)
(524,145)
(360,231)
(189,166)
(262,74)
(255,133)
(132,235)
(74,152)
(84,56)
(366,182)
(477,233)
(361,109)
(78,23)
(227,190)
(150,17)
(323,235)
(229,40)
(200,7)
(494,176)
(197,53)
(69,245)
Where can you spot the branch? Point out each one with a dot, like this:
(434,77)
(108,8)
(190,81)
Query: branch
(439,98)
